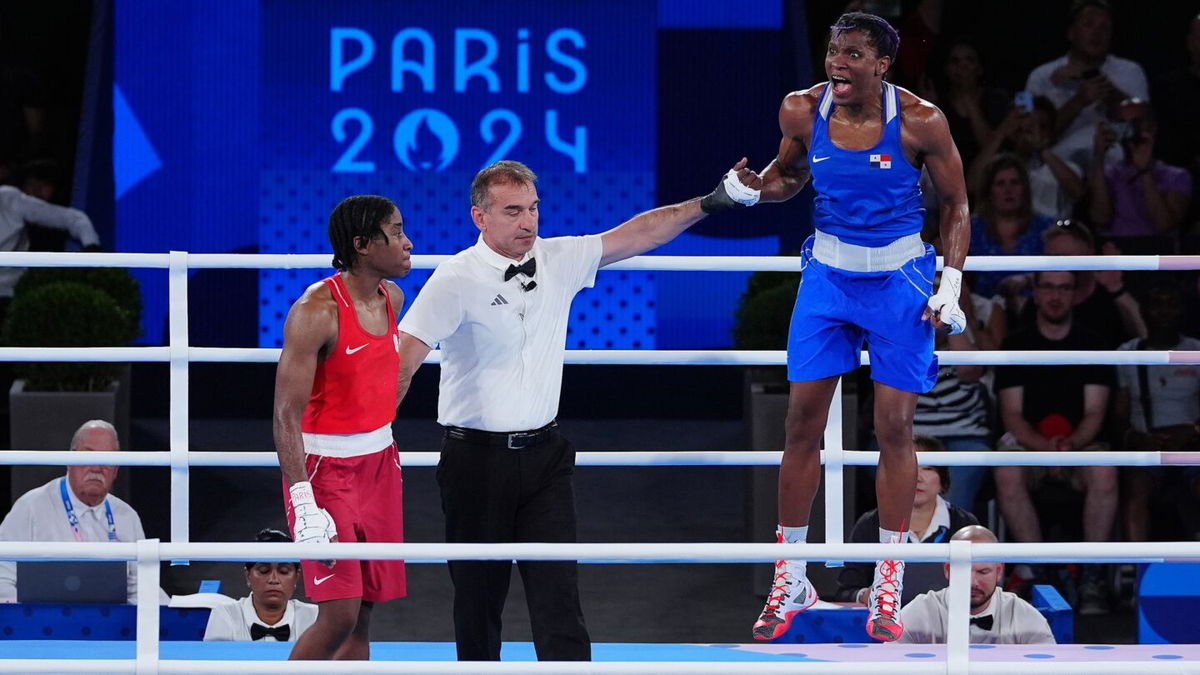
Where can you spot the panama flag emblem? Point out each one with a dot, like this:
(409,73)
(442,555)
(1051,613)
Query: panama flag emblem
(881,161)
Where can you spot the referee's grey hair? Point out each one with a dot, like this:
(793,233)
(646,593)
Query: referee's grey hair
(504,172)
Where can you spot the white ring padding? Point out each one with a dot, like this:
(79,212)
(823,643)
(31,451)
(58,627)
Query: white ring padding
(663,357)
(257,667)
(705,552)
(189,667)
(636,458)
(996,263)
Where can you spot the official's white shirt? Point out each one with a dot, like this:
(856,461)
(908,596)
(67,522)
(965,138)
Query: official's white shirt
(1014,621)
(941,518)
(39,515)
(17,209)
(1047,193)
(231,622)
(1075,143)
(1174,390)
(502,346)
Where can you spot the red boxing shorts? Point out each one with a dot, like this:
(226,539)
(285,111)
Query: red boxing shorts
(365,497)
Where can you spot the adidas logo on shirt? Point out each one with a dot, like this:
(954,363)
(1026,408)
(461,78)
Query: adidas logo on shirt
(499,300)
(881,161)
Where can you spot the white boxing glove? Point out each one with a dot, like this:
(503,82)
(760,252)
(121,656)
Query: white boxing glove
(944,303)
(313,525)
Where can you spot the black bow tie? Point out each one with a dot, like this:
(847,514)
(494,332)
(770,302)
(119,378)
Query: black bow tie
(281,633)
(527,268)
(984,622)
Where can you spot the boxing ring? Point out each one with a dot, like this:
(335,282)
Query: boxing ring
(149,655)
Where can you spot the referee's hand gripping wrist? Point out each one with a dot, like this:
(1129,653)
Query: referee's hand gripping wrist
(738,189)
(312,524)
(943,307)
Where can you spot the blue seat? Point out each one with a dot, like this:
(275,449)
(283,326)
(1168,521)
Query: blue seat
(1058,613)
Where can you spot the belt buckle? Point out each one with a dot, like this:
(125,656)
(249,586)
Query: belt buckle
(510,439)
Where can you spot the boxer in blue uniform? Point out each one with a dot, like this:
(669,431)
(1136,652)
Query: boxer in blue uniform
(867,276)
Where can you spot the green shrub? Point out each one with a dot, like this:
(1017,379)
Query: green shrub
(66,314)
(765,312)
(117,282)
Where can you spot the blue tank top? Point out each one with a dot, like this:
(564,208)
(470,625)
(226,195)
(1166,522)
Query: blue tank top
(865,197)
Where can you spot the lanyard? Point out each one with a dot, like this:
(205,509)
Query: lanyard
(74,521)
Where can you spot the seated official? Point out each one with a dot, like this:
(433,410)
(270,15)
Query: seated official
(997,616)
(268,614)
(76,507)
(933,520)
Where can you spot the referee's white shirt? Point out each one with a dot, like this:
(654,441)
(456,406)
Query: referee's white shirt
(502,346)
(231,622)
(1014,621)
(39,515)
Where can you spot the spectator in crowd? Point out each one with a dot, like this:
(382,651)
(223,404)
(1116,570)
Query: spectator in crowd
(45,180)
(933,521)
(972,109)
(921,29)
(1140,201)
(1063,411)
(1005,223)
(269,613)
(1156,409)
(76,507)
(1178,134)
(18,209)
(1055,184)
(1103,305)
(956,411)
(997,616)
(1088,82)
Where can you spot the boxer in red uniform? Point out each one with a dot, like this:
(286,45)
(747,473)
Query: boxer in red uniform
(335,398)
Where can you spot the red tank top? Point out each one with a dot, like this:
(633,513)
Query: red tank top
(354,390)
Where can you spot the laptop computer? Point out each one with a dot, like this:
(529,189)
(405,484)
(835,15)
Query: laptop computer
(72,582)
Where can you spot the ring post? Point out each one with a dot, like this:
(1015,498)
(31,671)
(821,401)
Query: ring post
(958,600)
(835,459)
(147,607)
(177,278)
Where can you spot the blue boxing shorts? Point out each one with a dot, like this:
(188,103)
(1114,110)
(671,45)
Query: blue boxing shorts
(837,310)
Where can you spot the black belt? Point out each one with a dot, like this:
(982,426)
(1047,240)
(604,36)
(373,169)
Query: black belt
(513,440)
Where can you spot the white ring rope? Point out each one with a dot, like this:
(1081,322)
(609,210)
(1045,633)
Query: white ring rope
(149,553)
(643,458)
(997,263)
(661,357)
(607,553)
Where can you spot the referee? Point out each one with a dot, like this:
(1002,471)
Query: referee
(499,310)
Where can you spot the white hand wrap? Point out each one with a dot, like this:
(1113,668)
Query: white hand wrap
(737,191)
(313,524)
(944,303)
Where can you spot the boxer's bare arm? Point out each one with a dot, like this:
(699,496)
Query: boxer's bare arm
(310,330)
(787,174)
(930,134)
(412,354)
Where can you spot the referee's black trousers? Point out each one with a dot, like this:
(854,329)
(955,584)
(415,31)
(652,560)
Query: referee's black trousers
(494,494)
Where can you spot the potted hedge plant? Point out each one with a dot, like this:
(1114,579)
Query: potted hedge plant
(68,307)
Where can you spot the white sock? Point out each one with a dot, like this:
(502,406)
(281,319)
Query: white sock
(889,536)
(795,535)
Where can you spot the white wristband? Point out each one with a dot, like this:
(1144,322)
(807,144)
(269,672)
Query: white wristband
(301,493)
(951,281)
(738,191)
